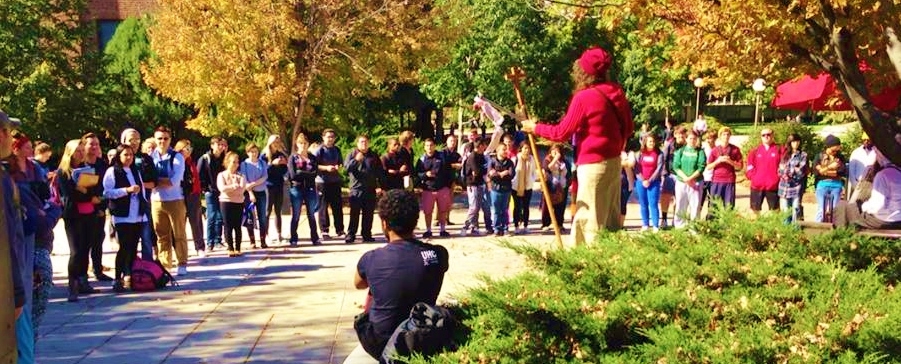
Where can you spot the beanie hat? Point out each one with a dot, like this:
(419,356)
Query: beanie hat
(831,141)
(595,61)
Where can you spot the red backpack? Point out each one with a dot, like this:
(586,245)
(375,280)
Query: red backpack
(149,276)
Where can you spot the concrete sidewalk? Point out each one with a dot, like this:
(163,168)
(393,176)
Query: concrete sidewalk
(278,305)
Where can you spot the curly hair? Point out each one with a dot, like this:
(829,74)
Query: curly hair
(582,80)
(399,209)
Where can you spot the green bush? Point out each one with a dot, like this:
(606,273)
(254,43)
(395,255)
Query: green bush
(725,291)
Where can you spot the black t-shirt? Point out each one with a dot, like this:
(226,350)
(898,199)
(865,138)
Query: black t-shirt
(401,274)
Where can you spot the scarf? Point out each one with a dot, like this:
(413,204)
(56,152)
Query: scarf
(524,170)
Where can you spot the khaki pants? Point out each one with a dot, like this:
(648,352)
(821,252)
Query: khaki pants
(597,200)
(169,224)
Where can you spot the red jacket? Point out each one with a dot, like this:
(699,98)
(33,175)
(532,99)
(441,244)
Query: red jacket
(763,167)
(601,127)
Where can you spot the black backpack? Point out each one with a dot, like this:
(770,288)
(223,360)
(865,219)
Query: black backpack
(187,179)
(187,182)
(428,331)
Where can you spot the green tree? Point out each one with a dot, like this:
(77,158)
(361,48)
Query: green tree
(501,34)
(653,86)
(132,101)
(47,68)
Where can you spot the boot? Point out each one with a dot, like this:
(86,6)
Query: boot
(102,277)
(119,286)
(73,290)
(84,287)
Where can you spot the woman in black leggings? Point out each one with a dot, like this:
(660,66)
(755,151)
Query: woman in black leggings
(122,186)
(78,231)
(277,161)
(231,200)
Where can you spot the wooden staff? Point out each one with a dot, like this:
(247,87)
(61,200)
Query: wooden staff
(516,74)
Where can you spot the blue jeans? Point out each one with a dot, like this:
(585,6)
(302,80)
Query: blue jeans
(262,220)
(822,192)
(300,196)
(500,204)
(24,329)
(795,204)
(148,240)
(649,201)
(475,195)
(213,219)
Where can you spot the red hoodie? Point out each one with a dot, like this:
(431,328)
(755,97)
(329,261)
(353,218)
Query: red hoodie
(601,127)
(763,167)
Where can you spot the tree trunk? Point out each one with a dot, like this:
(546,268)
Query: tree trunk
(884,129)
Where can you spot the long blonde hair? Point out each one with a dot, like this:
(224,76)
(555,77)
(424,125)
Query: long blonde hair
(274,142)
(66,162)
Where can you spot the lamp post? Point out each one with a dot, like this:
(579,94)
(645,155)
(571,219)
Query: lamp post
(758,87)
(699,82)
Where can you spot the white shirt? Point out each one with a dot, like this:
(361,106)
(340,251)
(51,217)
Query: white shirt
(110,192)
(858,163)
(885,200)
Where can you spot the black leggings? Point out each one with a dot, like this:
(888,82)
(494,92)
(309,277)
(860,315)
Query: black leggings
(275,204)
(129,234)
(98,235)
(79,230)
(231,212)
(521,208)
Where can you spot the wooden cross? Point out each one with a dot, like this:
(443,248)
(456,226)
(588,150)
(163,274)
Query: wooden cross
(515,75)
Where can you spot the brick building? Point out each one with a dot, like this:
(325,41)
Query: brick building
(109,13)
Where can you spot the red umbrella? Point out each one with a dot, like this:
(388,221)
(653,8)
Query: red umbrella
(820,93)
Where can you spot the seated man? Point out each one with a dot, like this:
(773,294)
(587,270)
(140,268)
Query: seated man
(883,208)
(398,275)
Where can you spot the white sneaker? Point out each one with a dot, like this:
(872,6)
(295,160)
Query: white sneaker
(644,228)
(464,232)
(656,230)
(201,253)
(182,270)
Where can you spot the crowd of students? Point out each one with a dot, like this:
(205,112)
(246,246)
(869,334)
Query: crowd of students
(777,174)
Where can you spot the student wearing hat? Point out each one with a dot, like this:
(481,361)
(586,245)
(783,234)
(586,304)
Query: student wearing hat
(829,169)
(17,339)
(600,118)
(861,158)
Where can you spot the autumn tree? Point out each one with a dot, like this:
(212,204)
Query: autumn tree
(732,42)
(501,34)
(262,63)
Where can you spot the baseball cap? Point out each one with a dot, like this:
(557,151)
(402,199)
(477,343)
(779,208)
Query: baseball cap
(8,122)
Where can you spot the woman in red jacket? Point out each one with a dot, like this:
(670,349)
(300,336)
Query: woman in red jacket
(600,118)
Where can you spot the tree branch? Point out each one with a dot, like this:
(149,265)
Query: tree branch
(893,48)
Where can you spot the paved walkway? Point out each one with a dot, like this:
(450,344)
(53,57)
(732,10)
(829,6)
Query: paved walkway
(270,306)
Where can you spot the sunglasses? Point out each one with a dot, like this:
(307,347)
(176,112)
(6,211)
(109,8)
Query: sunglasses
(766,134)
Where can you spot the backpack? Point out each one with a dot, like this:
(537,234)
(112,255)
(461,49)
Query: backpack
(187,181)
(149,276)
(428,331)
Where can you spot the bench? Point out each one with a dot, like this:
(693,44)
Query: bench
(821,227)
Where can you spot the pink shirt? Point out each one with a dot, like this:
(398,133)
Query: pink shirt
(231,186)
(601,127)
(724,172)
